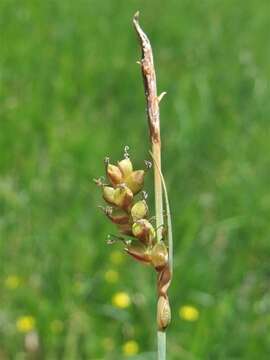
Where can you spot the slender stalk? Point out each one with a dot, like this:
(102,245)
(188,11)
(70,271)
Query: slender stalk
(152,102)
(161,341)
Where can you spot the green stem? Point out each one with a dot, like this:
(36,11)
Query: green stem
(161,340)
(161,335)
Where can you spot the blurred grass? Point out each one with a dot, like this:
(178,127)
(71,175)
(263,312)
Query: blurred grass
(71,94)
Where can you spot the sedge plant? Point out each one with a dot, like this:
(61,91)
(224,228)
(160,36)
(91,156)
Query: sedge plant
(126,201)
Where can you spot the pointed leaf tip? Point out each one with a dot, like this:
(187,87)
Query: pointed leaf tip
(136,16)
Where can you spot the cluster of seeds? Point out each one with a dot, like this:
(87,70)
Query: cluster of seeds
(127,208)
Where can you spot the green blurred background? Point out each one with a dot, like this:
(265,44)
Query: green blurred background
(72,94)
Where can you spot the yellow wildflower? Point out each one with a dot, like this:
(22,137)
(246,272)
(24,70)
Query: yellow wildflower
(130,348)
(121,300)
(56,326)
(116,257)
(12,282)
(25,324)
(111,276)
(189,313)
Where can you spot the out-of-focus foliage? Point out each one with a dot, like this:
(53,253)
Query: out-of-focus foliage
(72,94)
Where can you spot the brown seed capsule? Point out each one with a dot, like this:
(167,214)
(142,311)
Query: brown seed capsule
(114,174)
(117,216)
(126,167)
(139,210)
(163,313)
(135,181)
(123,196)
(138,252)
(144,231)
(159,255)
(108,194)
